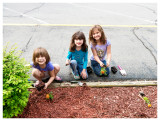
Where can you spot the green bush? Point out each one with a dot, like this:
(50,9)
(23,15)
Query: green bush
(15,82)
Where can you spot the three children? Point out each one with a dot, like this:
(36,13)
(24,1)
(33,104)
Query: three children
(77,57)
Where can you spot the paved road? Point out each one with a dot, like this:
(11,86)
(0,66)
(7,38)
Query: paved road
(130,27)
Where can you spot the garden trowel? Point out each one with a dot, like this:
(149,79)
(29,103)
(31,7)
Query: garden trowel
(123,72)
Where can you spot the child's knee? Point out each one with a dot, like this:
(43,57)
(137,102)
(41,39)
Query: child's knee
(57,67)
(107,71)
(98,74)
(73,62)
(35,72)
(97,71)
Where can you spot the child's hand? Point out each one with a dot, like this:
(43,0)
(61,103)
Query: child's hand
(108,64)
(67,62)
(101,64)
(83,74)
(46,85)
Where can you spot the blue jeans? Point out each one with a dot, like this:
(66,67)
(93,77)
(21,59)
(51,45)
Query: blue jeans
(77,68)
(97,68)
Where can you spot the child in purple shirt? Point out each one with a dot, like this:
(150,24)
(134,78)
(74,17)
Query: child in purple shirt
(43,68)
(100,47)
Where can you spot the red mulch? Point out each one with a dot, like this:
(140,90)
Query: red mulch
(86,102)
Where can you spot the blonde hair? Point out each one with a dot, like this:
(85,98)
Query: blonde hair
(103,37)
(40,52)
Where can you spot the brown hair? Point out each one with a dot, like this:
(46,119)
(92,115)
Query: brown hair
(78,35)
(40,52)
(103,37)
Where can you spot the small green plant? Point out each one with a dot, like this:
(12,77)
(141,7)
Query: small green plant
(49,96)
(103,71)
(143,96)
(15,82)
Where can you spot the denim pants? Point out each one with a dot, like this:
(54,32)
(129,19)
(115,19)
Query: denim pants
(97,68)
(76,68)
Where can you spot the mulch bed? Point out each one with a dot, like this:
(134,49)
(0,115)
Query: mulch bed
(86,102)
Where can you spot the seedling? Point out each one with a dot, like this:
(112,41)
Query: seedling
(143,96)
(40,86)
(49,96)
(103,70)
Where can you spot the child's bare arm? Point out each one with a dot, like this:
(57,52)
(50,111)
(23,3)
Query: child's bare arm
(67,62)
(83,74)
(108,55)
(52,77)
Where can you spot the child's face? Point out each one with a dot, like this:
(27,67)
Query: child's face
(96,34)
(41,60)
(78,42)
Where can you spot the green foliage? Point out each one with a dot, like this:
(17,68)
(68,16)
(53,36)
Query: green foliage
(51,95)
(103,69)
(146,100)
(15,82)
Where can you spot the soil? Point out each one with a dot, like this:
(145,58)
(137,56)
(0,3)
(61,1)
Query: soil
(40,86)
(87,102)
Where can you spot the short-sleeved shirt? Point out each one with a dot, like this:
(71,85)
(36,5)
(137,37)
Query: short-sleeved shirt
(101,50)
(49,67)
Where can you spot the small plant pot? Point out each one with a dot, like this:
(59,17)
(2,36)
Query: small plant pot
(114,69)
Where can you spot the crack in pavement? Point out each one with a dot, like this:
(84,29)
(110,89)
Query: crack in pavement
(26,46)
(156,22)
(147,8)
(111,12)
(25,15)
(27,11)
(34,8)
(154,12)
(144,44)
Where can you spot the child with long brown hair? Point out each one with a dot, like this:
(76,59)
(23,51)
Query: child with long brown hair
(100,47)
(78,56)
(44,70)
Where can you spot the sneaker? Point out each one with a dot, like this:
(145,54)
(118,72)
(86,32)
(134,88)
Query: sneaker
(58,79)
(76,77)
(33,85)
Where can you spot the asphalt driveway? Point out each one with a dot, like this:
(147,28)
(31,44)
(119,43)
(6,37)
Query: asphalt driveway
(133,35)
